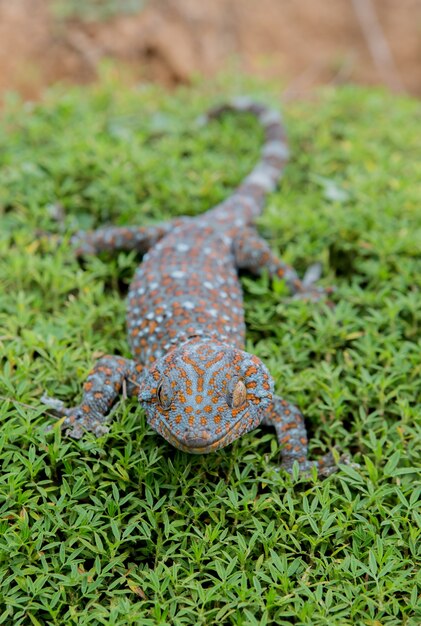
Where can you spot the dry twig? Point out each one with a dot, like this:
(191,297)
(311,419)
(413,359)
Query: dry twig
(377,44)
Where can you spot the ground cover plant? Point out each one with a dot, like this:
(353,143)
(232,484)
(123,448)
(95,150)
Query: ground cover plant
(127,530)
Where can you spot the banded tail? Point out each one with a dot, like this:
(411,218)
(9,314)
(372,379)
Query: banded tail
(266,174)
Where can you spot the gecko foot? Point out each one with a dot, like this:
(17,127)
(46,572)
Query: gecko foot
(76,421)
(325,465)
(311,292)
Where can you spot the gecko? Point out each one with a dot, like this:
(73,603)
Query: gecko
(199,388)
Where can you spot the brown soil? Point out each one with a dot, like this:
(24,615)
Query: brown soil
(303,42)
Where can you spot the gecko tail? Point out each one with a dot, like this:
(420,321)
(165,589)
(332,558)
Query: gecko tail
(268,171)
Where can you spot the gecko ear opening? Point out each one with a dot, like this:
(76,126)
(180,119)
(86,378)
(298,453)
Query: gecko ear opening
(239,395)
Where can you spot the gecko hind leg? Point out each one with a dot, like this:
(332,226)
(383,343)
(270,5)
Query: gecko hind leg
(111,376)
(252,252)
(288,422)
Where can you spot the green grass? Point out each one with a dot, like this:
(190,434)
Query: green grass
(126,529)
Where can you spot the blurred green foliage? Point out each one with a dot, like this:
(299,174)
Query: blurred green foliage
(95,10)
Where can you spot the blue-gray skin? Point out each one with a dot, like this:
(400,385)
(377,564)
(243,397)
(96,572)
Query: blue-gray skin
(199,388)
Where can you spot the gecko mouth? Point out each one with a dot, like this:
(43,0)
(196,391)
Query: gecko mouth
(193,445)
(204,444)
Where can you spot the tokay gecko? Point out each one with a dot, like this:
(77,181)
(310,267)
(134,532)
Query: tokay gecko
(199,388)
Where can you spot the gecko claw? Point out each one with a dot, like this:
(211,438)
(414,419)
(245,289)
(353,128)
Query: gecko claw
(307,289)
(312,274)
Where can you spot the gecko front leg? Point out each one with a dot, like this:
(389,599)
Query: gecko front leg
(288,422)
(111,376)
(127,238)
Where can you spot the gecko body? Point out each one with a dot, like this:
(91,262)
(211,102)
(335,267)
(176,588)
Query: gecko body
(190,372)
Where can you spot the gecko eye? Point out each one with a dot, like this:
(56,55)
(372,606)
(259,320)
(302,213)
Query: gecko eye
(239,395)
(163,395)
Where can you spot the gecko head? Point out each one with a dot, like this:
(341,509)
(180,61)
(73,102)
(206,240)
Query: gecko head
(204,394)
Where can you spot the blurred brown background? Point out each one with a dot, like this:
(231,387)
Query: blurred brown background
(303,42)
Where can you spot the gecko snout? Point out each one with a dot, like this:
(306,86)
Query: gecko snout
(197,439)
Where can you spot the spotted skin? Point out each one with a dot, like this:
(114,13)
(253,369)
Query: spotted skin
(185,318)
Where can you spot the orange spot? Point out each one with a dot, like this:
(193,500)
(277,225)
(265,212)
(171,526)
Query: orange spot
(189,361)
